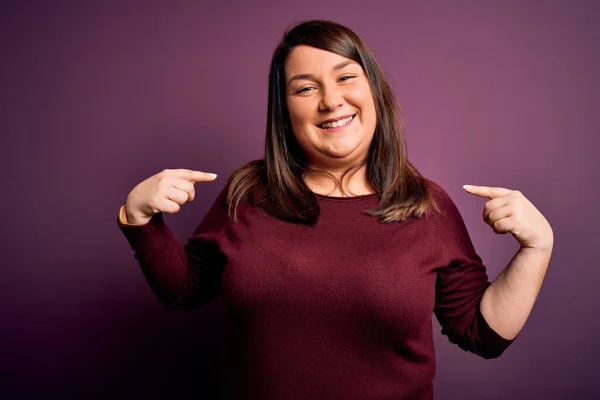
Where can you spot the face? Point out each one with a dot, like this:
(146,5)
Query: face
(331,106)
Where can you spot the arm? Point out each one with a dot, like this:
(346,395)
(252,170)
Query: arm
(180,276)
(461,283)
(508,301)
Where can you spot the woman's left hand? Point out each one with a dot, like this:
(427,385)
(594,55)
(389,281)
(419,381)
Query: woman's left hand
(510,211)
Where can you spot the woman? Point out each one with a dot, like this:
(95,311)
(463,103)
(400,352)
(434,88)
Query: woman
(332,253)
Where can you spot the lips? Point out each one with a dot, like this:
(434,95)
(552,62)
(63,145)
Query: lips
(337,122)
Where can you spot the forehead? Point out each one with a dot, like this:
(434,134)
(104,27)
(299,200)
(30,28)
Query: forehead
(306,59)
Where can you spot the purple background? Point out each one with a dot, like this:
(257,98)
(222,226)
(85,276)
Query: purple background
(96,97)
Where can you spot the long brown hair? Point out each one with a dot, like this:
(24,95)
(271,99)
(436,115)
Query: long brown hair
(275,184)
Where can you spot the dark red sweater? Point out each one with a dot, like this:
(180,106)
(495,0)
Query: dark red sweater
(341,310)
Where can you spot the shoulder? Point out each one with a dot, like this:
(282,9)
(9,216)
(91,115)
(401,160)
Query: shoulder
(247,179)
(252,167)
(449,216)
(440,196)
(436,190)
(449,224)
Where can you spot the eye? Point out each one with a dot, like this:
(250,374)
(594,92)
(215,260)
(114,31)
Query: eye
(305,89)
(347,78)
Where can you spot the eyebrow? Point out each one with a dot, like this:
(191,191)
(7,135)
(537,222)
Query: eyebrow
(336,67)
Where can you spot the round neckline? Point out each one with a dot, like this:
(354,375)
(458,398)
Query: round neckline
(346,198)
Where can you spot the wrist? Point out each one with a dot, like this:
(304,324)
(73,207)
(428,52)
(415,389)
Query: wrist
(545,249)
(127,219)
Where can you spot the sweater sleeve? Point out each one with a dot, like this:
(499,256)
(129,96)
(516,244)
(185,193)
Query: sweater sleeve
(460,284)
(181,276)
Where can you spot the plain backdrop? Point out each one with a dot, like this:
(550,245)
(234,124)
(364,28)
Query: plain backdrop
(96,96)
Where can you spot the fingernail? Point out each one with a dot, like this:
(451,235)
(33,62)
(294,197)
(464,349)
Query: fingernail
(212,175)
(467,186)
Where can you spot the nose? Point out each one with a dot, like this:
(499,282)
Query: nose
(331,99)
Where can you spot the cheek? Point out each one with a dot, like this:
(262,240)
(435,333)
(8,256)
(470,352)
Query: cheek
(300,115)
(361,96)
(299,110)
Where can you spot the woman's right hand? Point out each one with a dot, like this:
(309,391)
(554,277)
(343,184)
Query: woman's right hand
(166,191)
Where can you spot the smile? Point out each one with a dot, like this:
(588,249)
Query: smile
(339,123)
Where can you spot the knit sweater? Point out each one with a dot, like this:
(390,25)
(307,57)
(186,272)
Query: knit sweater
(338,310)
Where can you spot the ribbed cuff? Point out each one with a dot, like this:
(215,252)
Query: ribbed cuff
(149,237)
(493,342)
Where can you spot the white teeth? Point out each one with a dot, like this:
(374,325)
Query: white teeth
(335,124)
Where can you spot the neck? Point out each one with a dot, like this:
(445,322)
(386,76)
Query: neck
(329,182)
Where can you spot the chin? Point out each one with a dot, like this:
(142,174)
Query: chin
(342,154)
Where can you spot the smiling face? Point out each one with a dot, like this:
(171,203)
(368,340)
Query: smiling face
(331,107)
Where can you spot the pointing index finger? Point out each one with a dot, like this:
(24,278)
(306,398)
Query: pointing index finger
(197,176)
(486,191)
